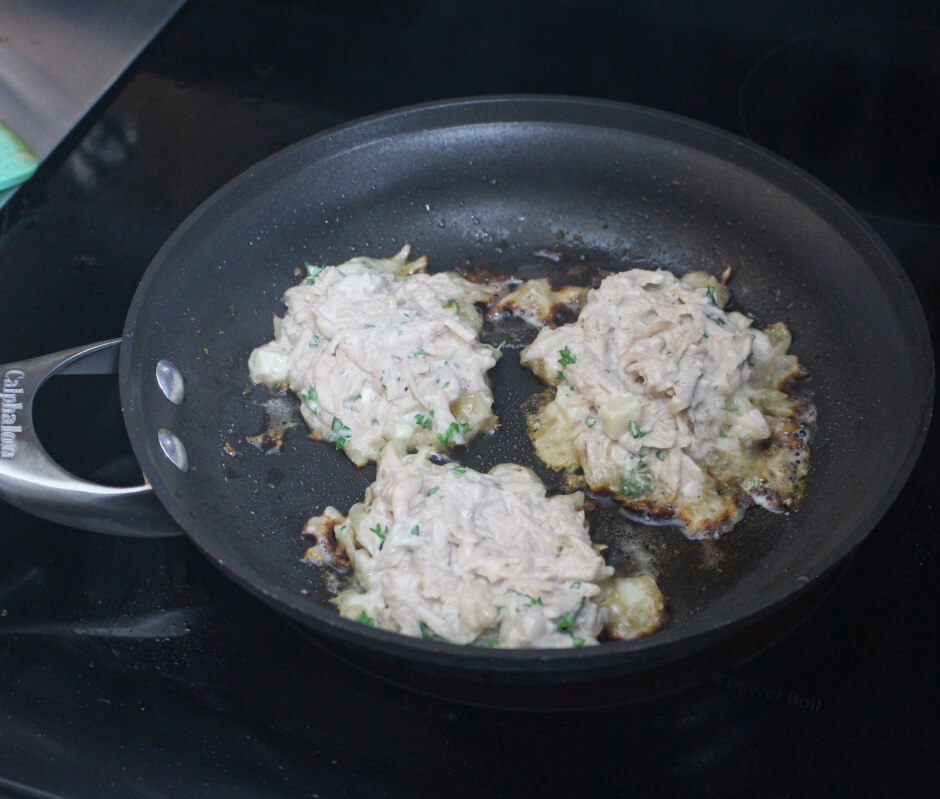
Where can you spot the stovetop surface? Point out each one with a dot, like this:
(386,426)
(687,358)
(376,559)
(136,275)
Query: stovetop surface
(134,668)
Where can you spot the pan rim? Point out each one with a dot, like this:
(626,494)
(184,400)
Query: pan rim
(499,108)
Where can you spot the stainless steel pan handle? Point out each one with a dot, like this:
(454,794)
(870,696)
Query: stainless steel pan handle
(33,481)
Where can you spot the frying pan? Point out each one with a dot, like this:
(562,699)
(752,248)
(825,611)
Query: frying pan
(545,185)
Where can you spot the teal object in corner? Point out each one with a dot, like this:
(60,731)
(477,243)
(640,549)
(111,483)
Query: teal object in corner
(17,159)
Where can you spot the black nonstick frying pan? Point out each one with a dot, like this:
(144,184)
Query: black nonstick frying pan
(534,185)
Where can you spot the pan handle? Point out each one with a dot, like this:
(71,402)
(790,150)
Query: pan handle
(31,480)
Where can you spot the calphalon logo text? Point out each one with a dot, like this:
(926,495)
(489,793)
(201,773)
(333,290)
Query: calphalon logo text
(10,403)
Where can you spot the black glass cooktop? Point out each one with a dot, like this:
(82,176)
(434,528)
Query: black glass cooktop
(131,667)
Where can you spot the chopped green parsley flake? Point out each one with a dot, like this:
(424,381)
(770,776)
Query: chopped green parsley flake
(339,433)
(460,469)
(416,530)
(710,293)
(429,635)
(424,422)
(433,490)
(533,600)
(567,356)
(310,397)
(753,483)
(635,485)
(365,618)
(448,434)
(379,531)
(313,272)
(635,430)
(565,622)
(590,421)
(660,455)
(314,340)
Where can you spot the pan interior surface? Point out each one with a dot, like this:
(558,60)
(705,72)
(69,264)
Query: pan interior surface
(494,182)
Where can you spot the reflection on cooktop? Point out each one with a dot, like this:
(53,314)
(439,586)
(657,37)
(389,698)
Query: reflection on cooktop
(858,106)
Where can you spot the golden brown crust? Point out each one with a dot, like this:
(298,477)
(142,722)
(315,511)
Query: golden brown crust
(327,551)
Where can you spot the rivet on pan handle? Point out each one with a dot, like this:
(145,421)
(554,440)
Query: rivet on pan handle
(31,480)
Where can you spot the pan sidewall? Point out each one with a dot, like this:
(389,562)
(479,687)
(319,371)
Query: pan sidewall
(491,181)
